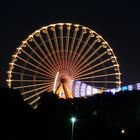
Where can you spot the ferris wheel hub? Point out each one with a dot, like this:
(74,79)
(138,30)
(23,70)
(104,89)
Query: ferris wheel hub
(63,81)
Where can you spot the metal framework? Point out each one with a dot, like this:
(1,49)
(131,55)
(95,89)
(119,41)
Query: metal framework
(53,56)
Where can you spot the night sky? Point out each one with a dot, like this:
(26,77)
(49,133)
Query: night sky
(117,21)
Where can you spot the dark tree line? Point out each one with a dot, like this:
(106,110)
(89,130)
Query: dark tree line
(101,116)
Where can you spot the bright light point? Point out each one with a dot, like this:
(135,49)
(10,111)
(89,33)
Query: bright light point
(9,80)
(118,73)
(84,28)
(76,25)
(53,25)
(30,36)
(123,131)
(73,119)
(9,72)
(19,48)
(60,24)
(68,24)
(118,82)
(14,55)
(37,31)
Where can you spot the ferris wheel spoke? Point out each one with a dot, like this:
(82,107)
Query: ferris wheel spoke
(96,71)
(81,50)
(67,44)
(78,44)
(29,75)
(35,66)
(44,89)
(61,44)
(29,86)
(52,48)
(76,67)
(94,66)
(35,106)
(102,82)
(87,51)
(42,60)
(91,62)
(36,61)
(35,100)
(38,97)
(56,45)
(33,81)
(46,58)
(33,70)
(72,45)
(87,59)
(99,76)
(35,90)
(47,50)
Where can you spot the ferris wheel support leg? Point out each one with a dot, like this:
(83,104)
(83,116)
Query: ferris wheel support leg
(59,90)
(67,92)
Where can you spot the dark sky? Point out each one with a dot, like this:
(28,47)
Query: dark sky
(117,21)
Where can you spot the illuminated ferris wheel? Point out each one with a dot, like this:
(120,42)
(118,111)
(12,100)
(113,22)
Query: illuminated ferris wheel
(69,59)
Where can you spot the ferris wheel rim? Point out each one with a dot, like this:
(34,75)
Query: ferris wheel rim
(53,72)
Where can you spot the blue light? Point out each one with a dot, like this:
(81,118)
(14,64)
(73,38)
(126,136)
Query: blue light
(124,88)
(130,87)
(89,89)
(113,91)
(83,89)
(77,89)
(138,86)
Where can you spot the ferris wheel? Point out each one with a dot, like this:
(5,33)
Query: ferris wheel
(60,57)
